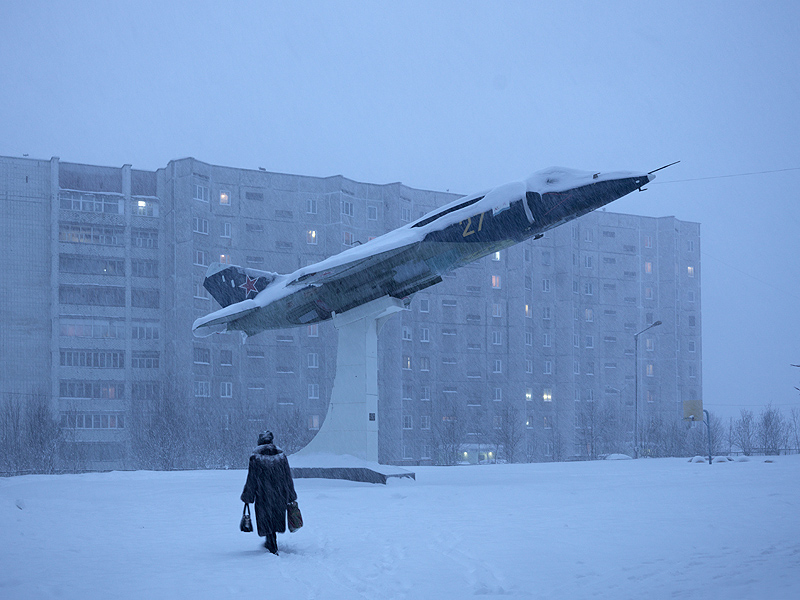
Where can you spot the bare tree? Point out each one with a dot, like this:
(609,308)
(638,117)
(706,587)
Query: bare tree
(744,432)
(449,431)
(772,430)
(508,432)
(11,436)
(42,435)
(794,427)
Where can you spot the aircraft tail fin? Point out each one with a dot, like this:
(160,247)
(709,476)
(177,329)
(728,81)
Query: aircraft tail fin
(229,284)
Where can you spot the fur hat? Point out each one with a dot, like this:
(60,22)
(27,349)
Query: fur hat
(265,437)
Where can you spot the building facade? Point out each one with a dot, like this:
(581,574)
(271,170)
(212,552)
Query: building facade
(529,352)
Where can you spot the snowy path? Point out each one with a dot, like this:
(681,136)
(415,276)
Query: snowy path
(611,529)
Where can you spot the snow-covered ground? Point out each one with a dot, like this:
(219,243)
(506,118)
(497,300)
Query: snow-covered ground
(647,529)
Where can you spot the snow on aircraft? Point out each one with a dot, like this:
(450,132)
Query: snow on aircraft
(410,258)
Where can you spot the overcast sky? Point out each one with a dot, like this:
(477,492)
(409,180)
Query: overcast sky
(459,96)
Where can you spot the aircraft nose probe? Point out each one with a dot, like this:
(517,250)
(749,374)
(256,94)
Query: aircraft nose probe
(650,175)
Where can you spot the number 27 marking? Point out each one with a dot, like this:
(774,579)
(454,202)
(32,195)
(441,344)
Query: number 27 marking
(467,230)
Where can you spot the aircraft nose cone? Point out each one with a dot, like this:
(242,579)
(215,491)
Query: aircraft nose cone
(650,177)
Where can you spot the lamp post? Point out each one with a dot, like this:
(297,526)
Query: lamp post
(636,391)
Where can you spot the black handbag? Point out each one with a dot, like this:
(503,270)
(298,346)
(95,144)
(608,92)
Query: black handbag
(246,524)
(295,518)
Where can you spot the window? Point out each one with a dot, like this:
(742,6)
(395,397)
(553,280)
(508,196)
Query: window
(590,368)
(692,346)
(200,258)
(144,268)
(546,313)
(145,360)
(91,234)
(200,292)
(424,335)
(546,341)
(407,422)
(449,302)
(587,235)
(496,310)
(547,395)
(692,320)
(648,267)
(201,193)
(545,285)
(575,287)
(372,212)
(609,260)
(609,234)
(91,202)
(648,241)
(690,271)
(313,330)
(225,259)
(528,365)
(548,367)
(690,245)
(587,288)
(690,296)
(424,422)
(313,422)
(226,389)
(528,338)
(587,262)
(347,208)
(496,282)
(254,196)
(425,394)
(406,362)
(576,340)
(311,206)
(311,237)
(610,365)
(650,370)
(407,334)
(313,391)
(144,298)
(255,353)
(226,358)
(590,341)
(202,389)
(424,305)
(225,198)
(202,356)
(98,359)
(576,367)
(226,230)
(424,363)
(496,256)
(498,366)
(589,315)
(648,293)
(348,239)
(692,371)
(405,213)
(144,238)
(200,225)
(313,360)
(528,283)
(649,344)
(528,311)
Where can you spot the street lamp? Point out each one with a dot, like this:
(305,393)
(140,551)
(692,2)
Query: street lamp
(636,386)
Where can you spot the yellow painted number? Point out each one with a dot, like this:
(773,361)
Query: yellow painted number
(467,228)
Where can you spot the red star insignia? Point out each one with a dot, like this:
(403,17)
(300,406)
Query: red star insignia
(249,286)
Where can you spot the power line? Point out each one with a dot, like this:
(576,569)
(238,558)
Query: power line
(727,176)
(704,253)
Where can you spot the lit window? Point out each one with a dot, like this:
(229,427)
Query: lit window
(496,256)
(650,371)
(225,198)
(225,259)
(648,267)
(406,363)
(690,271)
(547,395)
(496,282)
(648,241)
(528,311)
(348,239)
(528,394)
(589,314)
(313,422)
(311,237)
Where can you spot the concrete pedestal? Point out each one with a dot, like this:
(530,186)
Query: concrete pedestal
(350,430)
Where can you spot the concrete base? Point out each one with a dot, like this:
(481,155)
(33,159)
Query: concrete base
(351,426)
(342,466)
